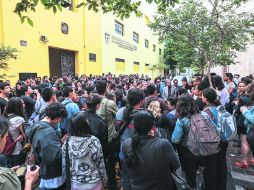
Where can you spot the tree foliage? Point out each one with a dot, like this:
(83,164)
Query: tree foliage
(120,8)
(6,54)
(205,33)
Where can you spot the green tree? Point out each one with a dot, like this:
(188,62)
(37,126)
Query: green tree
(205,33)
(120,8)
(6,54)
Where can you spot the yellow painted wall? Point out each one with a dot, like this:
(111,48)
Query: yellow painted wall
(86,35)
(142,55)
(1,23)
(119,67)
(34,57)
(93,42)
(136,68)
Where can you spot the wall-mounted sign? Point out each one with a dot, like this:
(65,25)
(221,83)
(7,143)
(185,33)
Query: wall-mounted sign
(23,43)
(121,43)
(64,28)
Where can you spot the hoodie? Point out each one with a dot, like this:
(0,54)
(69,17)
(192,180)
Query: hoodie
(46,144)
(86,162)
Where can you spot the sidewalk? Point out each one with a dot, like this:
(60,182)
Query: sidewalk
(242,177)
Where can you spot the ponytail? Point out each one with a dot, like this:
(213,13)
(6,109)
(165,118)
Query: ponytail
(131,156)
(127,113)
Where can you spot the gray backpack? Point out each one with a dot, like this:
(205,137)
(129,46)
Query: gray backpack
(203,139)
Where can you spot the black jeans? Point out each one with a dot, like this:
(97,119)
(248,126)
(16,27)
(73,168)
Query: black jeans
(110,166)
(215,169)
(189,164)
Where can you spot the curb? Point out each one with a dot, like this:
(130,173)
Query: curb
(244,180)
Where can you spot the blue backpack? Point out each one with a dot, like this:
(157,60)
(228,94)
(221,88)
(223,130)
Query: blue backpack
(227,124)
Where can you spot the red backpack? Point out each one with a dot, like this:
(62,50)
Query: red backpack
(9,146)
(10,143)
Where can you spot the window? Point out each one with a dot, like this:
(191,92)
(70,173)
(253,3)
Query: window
(119,28)
(92,57)
(146,67)
(146,43)
(136,67)
(119,65)
(135,37)
(120,60)
(154,47)
(159,51)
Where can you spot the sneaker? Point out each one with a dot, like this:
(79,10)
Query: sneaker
(243,165)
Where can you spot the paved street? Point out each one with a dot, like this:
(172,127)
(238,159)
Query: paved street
(242,177)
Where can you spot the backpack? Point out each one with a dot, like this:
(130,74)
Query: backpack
(233,95)
(64,122)
(36,116)
(9,146)
(10,143)
(227,123)
(203,138)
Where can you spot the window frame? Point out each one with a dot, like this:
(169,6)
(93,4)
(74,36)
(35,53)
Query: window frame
(146,43)
(117,23)
(137,35)
(154,48)
(92,57)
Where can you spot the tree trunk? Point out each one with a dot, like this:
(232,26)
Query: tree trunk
(202,69)
(209,75)
(209,68)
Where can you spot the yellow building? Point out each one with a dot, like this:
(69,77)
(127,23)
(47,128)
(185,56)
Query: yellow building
(78,41)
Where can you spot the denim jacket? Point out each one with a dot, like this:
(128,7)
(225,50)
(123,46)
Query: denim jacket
(249,118)
(181,131)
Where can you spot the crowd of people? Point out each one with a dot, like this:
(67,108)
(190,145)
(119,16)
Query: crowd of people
(71,132)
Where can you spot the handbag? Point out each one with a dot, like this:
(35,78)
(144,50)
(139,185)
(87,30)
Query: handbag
(179,182)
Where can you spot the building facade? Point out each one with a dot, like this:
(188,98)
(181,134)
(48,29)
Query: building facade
(244,60)
(244,65)
(79,41)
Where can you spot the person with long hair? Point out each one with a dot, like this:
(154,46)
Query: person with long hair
(245,150)
(185,108)
(248,113)
(124,116)
(215,166)
(149,159)
(8,178)
(16,115)
(86,158)
(221,90)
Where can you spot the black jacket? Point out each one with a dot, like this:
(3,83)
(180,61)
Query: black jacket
(99,128)
(156,159)
(46,144)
